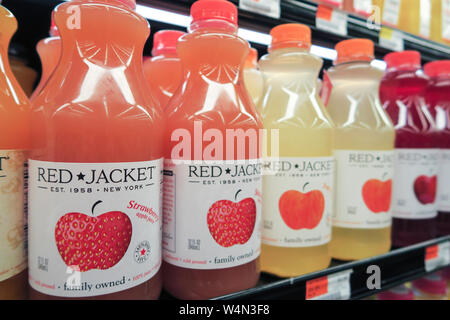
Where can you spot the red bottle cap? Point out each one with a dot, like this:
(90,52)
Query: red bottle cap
(165,41)
(252,59)
(437,69)
(398,293)
(54,32)
(354,50)
(403,60)
(290,35)
(214,9)
(433,284)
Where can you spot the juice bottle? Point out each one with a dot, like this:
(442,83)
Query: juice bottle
(297,202)
(446,275)
(96,162)
(361,7)
(253,78)
(390,14)
(49,50)
(14,142)
(163,71)
(431,287)
(401,292)
(402,93)
(364,143)
(212,186)
(438,98)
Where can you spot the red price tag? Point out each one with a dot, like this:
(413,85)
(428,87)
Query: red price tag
(431,252)
(316,287)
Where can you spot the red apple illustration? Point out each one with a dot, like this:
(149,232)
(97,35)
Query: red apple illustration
(377,195)
(425,189)
(302,210)
(231,223)
(93,242)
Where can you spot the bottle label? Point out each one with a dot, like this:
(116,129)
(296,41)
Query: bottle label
(425,18)
(363,189)
(444,181)
(95,228)
(212,213)
(362,6)
(297,202)
(415,183)
(13,209)
(446,20)
(391,12)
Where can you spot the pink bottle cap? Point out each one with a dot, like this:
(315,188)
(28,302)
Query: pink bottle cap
(165,41)
(214,9)
(403,60)
(432,284)
(437,69)
(397,293)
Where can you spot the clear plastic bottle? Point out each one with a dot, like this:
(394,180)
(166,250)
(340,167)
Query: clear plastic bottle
(364,143)
(297,202)
(414,205)
(254,81)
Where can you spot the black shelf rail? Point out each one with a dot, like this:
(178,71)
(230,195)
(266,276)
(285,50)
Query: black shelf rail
(396,267)
(303,11)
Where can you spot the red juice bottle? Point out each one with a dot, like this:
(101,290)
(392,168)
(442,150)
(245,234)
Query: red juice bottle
(212,183)
(438,98)
(414,204)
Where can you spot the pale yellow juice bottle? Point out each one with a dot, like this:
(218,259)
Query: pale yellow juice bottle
(253,78)
(297,185)
(364,144)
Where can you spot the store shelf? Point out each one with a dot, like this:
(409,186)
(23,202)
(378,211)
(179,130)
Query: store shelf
(396,267)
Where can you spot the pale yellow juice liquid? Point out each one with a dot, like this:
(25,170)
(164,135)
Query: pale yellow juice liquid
(361,124)
(291,105)
(254,84)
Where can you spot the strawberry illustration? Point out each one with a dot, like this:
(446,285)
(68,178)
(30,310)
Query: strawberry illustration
(232,223)
(93,242)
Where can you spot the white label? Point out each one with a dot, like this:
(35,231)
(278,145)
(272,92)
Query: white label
(391,39)
(95,228)
(425,18)
(391,12)
(446,20)
(332,287)
(13,255)
(437,256)
(297,202)
(415,183)
(269,8)
(444,181)
(337,23)
(362,6)
(363,189)
(212,213)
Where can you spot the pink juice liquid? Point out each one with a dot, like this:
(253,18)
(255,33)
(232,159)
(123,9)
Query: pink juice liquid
(402,93)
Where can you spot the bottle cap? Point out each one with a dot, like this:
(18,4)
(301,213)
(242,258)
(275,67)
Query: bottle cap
(432,284)
(354,50)
(214,9)
(437,69)
(165,41)
(252,59)
(129,3)
(290,35)
(398,293)
(403,59)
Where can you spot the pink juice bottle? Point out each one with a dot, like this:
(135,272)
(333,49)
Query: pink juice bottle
(438,98)
(414,204)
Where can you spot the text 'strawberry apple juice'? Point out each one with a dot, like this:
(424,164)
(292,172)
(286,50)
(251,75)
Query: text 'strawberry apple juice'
(364,151)
(414,205)
(49,50)
(96,163)
(253,78)
(163,71)
(297,182)
(14,143)
(438,99)
(212,172)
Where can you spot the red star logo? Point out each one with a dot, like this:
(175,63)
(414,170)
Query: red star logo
(143,251)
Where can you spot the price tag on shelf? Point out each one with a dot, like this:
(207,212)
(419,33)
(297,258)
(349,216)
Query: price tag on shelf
(332,287)
(331,20)
(269,8)
(437,256)
(391,39)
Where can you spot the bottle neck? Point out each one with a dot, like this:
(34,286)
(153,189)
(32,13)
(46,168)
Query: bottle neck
(216,24)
